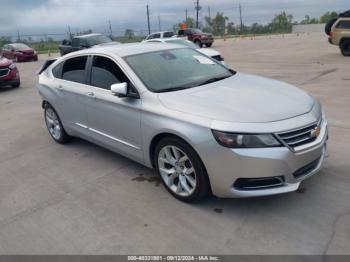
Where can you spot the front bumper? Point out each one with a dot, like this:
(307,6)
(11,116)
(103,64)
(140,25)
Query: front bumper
(225,166)
(12,78)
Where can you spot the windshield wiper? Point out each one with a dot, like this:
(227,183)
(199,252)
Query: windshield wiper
(171,89)
(214,79)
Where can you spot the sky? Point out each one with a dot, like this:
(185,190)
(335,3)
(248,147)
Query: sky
(53,16)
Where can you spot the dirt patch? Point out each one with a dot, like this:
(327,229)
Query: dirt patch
(151,179)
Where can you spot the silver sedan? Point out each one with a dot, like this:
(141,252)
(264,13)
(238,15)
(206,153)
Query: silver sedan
(204,128)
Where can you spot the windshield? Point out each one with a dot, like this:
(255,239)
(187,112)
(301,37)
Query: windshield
(20,46)
(182,42)
(176,69)
(99,39)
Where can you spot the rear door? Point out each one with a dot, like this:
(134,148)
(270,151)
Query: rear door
(115,121)
(73,92)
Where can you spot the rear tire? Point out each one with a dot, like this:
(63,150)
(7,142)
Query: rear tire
(54,125)
(181,170)
(208,45)
(345,47)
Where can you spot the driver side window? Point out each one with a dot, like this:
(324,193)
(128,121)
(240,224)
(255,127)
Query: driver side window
(105,72)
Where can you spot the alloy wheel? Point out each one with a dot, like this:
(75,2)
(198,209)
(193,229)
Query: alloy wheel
(53,124)
(177,171)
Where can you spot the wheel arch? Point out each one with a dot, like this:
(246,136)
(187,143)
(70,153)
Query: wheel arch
(343,39)
(158,137)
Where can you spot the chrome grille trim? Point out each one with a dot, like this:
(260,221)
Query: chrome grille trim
(299,137)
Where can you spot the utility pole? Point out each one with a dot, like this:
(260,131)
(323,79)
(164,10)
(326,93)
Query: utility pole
(18,36)
(110,29)
(149,26)
(70,33)
(159,24)
(197,9)
(240,17)
(209,13)
(186,15)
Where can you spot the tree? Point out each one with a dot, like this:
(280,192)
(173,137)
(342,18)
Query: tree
(281,23)
(328,17)
(129,34)
(217,24)
(231,29)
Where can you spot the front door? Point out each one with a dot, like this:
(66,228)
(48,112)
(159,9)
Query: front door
(116,122)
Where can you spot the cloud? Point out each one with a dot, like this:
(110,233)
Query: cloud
(54,16)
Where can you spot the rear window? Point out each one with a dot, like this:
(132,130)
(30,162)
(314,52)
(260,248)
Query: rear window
(168,34)
(344,24)
(74,69)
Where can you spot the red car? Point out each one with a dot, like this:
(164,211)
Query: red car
(19,52)
(9,74)
(197,37)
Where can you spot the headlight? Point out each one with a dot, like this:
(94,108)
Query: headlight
(12,66)
(233,140)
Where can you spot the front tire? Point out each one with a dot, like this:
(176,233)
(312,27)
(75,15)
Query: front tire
(208,45)
(54,125)
(199,43)
(345,47)
(16,85)
(182,172)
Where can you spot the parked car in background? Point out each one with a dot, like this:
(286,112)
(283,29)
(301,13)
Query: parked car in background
(203,127)
(9,74)
(181,41)
(165,34)
(19,52)
(338,31)
(83,42)
(197,36)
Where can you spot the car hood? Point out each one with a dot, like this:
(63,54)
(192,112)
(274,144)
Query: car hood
(4,62)
(208,52)
(241,98)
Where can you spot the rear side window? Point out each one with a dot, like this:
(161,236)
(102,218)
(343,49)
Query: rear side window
(57,71)
(105,73)
(74,69)
(168,34)
(344,24)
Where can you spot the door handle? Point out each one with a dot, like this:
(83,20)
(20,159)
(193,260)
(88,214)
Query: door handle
(60,88)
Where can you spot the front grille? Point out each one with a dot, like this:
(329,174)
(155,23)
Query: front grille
(4,72)
(305,170)
(258,183)
(299,137)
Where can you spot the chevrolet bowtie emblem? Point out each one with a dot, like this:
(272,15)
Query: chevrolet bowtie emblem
(316,132)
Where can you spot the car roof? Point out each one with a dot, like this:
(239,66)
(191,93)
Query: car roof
(86,36)
(166,39)
(162,32)
(123,50)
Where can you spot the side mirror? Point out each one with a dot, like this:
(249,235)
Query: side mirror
(120,90)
